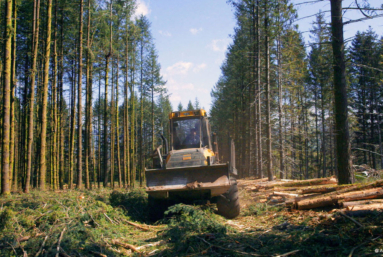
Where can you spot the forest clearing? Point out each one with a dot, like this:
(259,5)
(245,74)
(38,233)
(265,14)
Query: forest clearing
(104,223)
(87,121)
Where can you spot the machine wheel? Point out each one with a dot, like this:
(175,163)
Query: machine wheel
(157,207)
(228,203)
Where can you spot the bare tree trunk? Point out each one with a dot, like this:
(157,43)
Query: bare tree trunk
(345,173)
(323,132)
(133,126)
(105,145)
(88,104)
(73,125)
(5,189)
(54,111)
(142,160)
(255,98)
(267,82)
(280,110)
(12,166)
(43,139)
(126,116)
(61,120)
(112,123)
(118,131)
(316,129)
(36,22)
(79,102)
(258,72)
(99,133)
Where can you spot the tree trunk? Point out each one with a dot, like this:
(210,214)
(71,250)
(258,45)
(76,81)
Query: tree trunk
(79,102)
(133,125)
(259,109)
(345,173)
(267,83)
(280,111)
(88,104)
(62,120)
(43,139)
(118,132)
(255,142)
(112,123)
(323,130)
(105,144)
(12,166)
(72,132)
(5,188)
(142,160)
(126,116)
(54,103)
(36,22)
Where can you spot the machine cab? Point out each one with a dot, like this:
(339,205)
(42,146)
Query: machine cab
(189,129)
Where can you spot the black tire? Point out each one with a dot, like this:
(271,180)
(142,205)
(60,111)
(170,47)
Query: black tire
(228,203)
(157,207)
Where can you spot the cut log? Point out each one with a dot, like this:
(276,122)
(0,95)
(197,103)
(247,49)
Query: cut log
(354,187)
(328,200)
(322,189)
(285,194)
(301,198)
(316,203)
(361,195)
(355,203)
(283,189)
(310,182)
(376,206)
(357,187)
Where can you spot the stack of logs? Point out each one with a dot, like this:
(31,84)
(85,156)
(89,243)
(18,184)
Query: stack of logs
(316,193)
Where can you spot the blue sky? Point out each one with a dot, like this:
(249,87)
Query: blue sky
(191,37)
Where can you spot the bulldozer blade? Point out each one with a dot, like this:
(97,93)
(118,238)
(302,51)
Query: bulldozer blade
(214,178)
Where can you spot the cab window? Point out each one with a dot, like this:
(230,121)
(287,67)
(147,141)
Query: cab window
(186,133)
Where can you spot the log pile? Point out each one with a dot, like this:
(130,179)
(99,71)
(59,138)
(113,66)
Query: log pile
(316,193)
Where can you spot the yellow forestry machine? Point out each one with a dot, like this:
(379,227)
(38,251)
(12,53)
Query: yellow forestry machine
(190,171)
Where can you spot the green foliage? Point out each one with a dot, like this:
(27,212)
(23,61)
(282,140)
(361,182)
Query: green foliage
(134,203)
(260,209)
(187,221)
(180,107)
(83,216)
(6,217)
(197,106)
(190,106)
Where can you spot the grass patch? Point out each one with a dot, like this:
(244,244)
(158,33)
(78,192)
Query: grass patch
(89,225)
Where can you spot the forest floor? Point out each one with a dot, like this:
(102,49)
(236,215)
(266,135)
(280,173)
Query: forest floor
(103,222)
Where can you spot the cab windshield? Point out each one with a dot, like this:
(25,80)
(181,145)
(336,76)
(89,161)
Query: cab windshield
(186,133)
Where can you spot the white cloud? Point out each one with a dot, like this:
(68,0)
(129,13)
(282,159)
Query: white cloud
(175,98)
(203,90)
(179,68)
(142,8)
(173,85)
(165,33)
(189,86)
(219,45)
(200,67)
(195,31)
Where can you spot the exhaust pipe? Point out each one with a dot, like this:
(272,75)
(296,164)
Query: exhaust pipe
(165,142)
